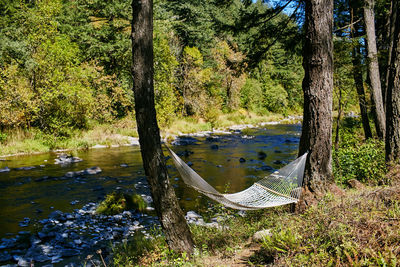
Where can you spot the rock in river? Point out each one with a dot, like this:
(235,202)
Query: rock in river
(66,159)
(5,169)
(93,170)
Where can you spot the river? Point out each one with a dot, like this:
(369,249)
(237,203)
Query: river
(35,186)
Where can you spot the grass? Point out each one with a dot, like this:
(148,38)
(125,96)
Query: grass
(117,202)
(20,141)
(359,228)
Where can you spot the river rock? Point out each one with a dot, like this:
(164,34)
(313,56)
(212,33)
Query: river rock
(66,159)
(99,146)
(43,178)
(25,222)
(56,259)
(185,153)
(23,262)
(292,140)
(192,216)
(184,141)
(5,169)
(5,256)
(74,202)
(260,235)
(25,168)
(57,215)
(261,155)
(214,147)
(70,174)
(212,139)
(93,170)
(266,168)
(68,252)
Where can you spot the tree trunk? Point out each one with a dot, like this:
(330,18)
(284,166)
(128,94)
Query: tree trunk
(171,217)
(358,79)
(316,136)
(393,99)
(339,116)
(373,67)
(393,16)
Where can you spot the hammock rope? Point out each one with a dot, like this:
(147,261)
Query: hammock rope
(279,188)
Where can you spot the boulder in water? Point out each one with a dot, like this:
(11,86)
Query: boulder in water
(5,169)
(261,155)
(66,159)
(93,170)
(4,256)
(214,147)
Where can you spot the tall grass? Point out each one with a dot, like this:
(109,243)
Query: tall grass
(118,133)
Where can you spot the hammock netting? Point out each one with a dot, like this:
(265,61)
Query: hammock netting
(279,188)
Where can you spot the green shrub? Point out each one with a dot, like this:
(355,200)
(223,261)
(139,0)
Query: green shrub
(364,162)
(275,97)
(251,95)
(281,241)
(118,202)
(3,137)
(129,253)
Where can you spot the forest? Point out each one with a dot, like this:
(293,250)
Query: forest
(75,74)
(66,65)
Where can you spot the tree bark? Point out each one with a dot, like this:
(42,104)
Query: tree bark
(392,146)
(393,16)
(316,134)
(171,217)
(358,79)
(373,67)
(339,116)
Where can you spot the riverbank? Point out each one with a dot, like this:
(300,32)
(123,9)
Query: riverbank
(124,133)
(356,227)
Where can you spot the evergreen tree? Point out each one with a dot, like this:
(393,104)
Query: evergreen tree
(316,136)
(171,217)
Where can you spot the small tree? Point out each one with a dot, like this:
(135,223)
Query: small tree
(373,67)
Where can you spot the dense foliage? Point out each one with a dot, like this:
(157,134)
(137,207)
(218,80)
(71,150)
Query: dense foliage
(66,65)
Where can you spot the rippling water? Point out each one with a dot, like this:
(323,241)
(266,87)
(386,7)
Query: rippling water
(37,192)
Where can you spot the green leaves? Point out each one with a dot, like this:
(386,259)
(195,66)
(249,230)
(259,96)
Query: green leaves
(363,161)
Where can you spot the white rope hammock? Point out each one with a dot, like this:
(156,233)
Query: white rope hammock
(280,188)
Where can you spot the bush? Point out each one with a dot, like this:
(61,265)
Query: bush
(3,137)
(251,96)
(275,97)
(364,162)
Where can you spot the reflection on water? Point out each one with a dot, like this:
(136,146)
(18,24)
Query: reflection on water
(37,192)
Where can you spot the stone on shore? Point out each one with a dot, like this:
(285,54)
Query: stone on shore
(260,235)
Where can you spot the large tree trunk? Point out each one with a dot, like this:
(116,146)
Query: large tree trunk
(358,79)
(373,67)
(393,99)
(316,134)
(172,220)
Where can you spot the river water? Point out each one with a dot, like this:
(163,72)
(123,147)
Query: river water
(35,193)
